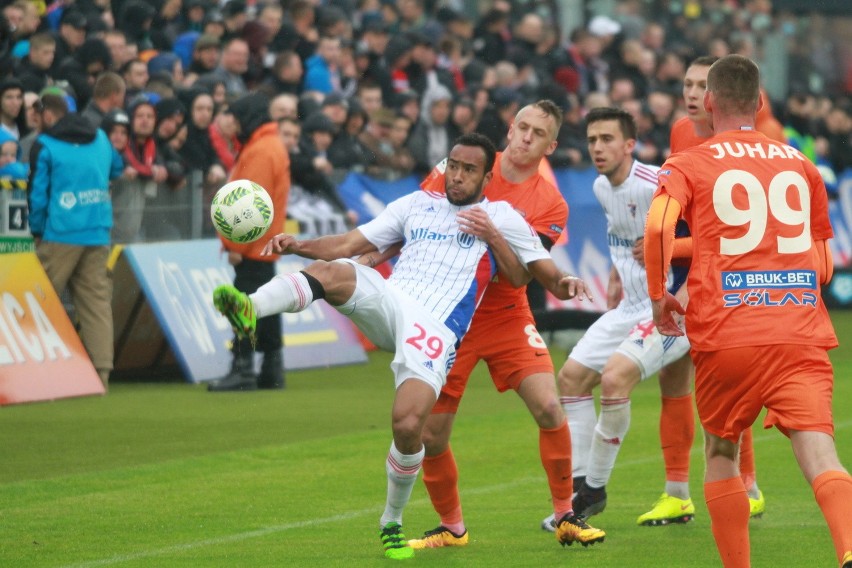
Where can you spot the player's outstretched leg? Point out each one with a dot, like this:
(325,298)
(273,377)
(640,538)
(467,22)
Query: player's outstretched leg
(238,309)
(573,528)
(394,543)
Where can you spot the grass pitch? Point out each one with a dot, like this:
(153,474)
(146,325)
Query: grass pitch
(169,475)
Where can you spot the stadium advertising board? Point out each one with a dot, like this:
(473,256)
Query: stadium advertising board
(41,356)
(177,280)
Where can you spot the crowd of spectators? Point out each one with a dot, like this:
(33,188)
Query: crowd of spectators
(382,87)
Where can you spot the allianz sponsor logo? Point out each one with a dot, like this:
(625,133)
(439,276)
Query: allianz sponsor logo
(616,241)
(423,234)
(746,280)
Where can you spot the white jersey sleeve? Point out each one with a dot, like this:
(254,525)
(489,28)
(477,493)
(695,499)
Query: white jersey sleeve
(388,228)
(521,237)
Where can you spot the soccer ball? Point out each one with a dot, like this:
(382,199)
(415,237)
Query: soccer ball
(241,211)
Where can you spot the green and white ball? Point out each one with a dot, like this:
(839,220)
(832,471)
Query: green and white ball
(241,211)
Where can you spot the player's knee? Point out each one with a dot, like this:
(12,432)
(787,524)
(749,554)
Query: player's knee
(336,279)
(435,442)
(716,447)
(616,385)
(408,430)
(573,381)
(549,414)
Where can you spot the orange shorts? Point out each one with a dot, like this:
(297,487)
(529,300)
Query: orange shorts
(509,344)
(793,382)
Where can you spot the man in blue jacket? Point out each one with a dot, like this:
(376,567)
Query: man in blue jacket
(70,215)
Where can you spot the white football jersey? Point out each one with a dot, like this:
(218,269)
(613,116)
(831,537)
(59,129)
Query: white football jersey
(443,269)
(626,208)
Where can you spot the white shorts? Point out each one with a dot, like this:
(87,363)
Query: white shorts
(650,350)
(635,336)
(604,336)
(424,348)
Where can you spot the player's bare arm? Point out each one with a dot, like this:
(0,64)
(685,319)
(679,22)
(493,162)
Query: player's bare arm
(475,221)
(330,247)
(563,286)
(375,258)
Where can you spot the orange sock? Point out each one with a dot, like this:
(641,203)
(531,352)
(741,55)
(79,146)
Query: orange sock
(677,431)
(441,477)
(554,445)
(747,459)
(833,492)
(727,502)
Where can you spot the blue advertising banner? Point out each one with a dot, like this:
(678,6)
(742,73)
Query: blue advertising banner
(368,196)
(178,279)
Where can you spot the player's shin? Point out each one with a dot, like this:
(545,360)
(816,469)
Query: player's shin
(285,293)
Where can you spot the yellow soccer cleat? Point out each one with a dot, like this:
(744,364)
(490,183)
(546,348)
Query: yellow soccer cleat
(437,538)
(668,510)
(394,543)
(847,560)
(757,506)
(573,528)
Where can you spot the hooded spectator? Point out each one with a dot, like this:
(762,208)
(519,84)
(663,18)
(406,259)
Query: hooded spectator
(135,21)
(198,152)
(82,69)
(71,35)
(432,138)
(130,193)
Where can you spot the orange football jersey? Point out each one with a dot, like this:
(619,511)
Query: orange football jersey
(754,207)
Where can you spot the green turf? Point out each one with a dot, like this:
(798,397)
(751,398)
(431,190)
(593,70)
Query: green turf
(170,475)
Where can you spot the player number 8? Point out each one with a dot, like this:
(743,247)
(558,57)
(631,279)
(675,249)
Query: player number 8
(760,204)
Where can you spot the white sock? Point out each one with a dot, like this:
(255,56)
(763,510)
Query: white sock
(402,472)
(679,489)
(610,431)
(284,293)
(580,411)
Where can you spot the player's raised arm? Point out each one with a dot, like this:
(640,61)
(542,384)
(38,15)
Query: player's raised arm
(329,247)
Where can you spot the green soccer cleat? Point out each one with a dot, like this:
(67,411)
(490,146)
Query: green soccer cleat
(757,506)
(394,542)
(573,528)
(238,309)
(668,510)
(437,538)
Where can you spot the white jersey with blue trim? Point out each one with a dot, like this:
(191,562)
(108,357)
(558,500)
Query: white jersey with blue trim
(626,207)
(443,269)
